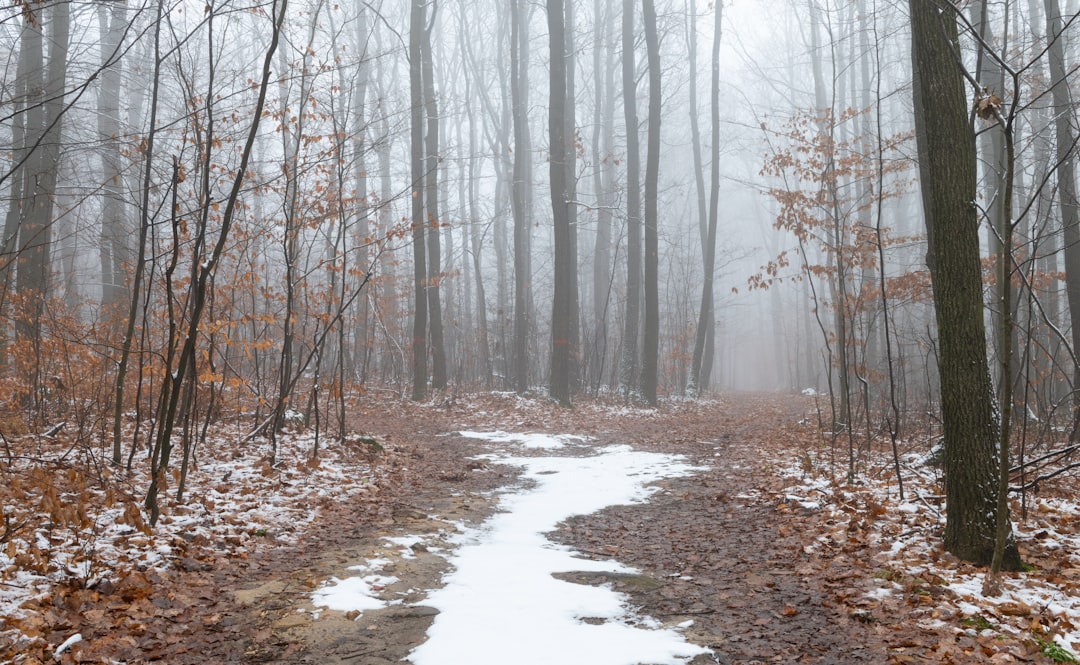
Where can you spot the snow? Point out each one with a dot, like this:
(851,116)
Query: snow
(908,536)
(535,441)
(66,644)
(353,593)
(501,603)
(406,544)
(233,504)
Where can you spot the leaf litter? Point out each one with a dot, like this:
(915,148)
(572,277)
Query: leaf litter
(768,556)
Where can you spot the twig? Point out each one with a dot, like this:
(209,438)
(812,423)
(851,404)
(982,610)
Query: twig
(1046,476)
(54,430)
(927,504)
(358,654)
(1054,453)
(14,586)
(7,449)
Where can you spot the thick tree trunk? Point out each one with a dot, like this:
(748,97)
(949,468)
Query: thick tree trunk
(947,169)
(25,122)
(42,167)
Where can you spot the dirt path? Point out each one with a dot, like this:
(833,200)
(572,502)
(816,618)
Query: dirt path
(711,547)
(720,548)
(725,557)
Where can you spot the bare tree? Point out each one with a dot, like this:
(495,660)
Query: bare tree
(520,196)
(431,207)
(629,368)
(417,28)
(565,266)
(1066,177)
(651,354)
(706,318)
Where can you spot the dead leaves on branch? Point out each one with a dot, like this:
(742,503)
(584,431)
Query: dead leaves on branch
(987,105)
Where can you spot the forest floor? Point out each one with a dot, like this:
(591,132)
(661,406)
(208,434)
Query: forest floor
(764,554)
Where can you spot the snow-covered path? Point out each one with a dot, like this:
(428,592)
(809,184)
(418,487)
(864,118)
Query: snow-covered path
(501,603)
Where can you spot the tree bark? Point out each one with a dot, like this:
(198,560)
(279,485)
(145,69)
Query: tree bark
(947,171)
(25,124)
(629,368)
(115,250)
(603,121)
(571,138)
(431,207)
(416,100)
(562,302)
(651,352)
(706,318)
(519,199)
(1066,174)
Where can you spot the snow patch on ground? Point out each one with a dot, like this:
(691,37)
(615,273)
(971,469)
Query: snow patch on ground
(1042,603)
(533,441)
(234,501)
(501,602)
(353,593)
(502,595)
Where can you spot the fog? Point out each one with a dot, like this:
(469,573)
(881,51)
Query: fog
(277,201)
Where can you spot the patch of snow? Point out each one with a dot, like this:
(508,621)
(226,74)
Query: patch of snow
(66,644)
(879,593)
(232,504)
(527,440)
(352,593)
(501,594)
(405,543)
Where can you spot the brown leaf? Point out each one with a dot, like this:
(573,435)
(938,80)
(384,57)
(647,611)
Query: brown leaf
(133,586)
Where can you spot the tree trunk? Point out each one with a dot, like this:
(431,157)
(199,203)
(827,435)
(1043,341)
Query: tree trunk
(135,294)
(705,315)
(603,121)
(651,353)
(431,207)
(42,169)
(416,99)
(629,368)
(180,379)
(25,123)
(570,118)
(565,273)
(115,251)
(947,170)
(292,138)
(520,200)
(1066,173)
